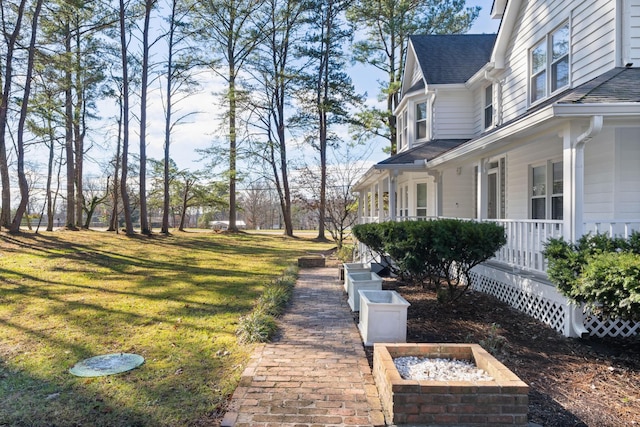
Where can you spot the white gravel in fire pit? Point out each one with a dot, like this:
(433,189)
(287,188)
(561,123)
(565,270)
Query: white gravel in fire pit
(421,368)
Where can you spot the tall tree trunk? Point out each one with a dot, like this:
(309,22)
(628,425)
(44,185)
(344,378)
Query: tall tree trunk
(232,145)
(22,179)
(125,123)
(78,134)
(68,140)
(5,213)
(167,126)
(144,216)
(113,223)
(49,201)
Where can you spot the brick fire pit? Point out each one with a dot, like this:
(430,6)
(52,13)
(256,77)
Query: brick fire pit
(503,401)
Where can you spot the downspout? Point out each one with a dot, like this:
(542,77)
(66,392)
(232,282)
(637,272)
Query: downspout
(574,327)
(595,127)
(433,94)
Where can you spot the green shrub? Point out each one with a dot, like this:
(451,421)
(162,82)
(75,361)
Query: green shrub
(345,253)
(610,285)
(256,326)
(260,324)
(438,252)
(599,271)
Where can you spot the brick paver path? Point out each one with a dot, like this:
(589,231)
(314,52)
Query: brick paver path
(316,373)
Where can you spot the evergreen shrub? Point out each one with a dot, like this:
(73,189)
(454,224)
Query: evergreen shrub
(599,271)
(440,253)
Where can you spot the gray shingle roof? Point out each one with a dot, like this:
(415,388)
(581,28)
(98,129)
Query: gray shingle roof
(617,85)
(427,151)
(453,58)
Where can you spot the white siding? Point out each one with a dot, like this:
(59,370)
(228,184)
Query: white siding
(519,160)
(599,166)
(454,114)
(627,194)
(633,33)
(592,36)
(478,109)
(458,192)
(593,39)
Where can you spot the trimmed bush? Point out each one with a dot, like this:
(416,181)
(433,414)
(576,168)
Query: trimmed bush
(438,252)
(610,285)
(601,272)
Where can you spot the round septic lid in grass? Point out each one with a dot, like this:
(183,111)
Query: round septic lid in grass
(106,364)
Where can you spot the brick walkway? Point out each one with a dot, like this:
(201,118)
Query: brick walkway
(316,373)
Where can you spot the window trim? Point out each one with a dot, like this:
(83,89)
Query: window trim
(488,110)
(423,120)
(550,83)
(549,195)
(426,200)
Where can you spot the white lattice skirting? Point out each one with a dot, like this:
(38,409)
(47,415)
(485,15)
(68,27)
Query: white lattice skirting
(543,302)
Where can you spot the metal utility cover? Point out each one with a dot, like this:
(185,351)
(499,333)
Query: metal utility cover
(106,364)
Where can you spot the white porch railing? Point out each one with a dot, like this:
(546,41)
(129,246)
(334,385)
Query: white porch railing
(619,228)
(526,237)
(525,243)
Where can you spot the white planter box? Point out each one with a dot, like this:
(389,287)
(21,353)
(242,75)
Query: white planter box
(353,267)
(361,281)
(383,317)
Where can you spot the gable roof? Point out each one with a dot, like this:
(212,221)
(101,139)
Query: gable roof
(452,58)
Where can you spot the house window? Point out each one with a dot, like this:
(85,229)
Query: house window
(421,120)
(488,107)
(421,200)
(547,191)
(405,122)
(400,140)
(550,64)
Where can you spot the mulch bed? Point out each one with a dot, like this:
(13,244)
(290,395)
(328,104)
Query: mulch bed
(573,382)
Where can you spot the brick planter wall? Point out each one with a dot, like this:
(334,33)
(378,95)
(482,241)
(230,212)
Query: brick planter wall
(503,401)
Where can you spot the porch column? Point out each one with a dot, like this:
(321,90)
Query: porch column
(360,208)
(372,200)
(393,194)
(380,201)
(481,191)
(573,151)
(437,178)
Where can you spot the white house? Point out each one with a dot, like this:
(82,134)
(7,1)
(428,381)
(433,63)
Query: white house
(537,128)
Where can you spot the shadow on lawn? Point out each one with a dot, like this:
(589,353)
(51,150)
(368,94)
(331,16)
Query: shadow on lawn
(29,401)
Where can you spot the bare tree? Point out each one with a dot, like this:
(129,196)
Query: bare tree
(275,76)
(11,38)
(125,120)
(232,29)
(22,179)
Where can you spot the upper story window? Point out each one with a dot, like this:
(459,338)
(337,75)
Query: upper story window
(550,64)
(405,123)
(399,130)
(488,106)
(421,120)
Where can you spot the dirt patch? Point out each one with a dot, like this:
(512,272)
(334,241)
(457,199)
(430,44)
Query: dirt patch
(574,382)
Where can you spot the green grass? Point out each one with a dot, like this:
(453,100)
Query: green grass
(176,300)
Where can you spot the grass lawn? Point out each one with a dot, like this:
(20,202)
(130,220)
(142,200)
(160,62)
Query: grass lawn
(66,296)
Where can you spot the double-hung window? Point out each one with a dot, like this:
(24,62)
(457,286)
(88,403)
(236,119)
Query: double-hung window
(421,120)
(549,62)
(488,107)
(400,134)
(421,200)
(546,191)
